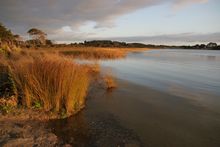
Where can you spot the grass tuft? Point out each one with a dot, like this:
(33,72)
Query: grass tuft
(94,53)
(54,82)
(109,82)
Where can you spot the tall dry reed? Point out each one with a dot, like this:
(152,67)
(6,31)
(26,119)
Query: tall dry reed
(94,53)
(53,81)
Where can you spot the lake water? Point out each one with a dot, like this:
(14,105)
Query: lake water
(165,98)
(193,74)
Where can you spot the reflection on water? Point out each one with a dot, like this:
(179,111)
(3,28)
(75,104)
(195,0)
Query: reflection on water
(193,69)
(168,98)
(194,73)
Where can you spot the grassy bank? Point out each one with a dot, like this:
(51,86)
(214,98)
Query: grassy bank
(91,53)
(48,81)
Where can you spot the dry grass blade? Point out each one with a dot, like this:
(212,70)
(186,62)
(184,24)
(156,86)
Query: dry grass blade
(53,81)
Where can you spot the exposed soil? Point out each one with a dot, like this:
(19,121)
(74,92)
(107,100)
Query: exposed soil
(22,127)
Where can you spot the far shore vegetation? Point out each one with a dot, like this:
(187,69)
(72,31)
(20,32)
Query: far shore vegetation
(40,74)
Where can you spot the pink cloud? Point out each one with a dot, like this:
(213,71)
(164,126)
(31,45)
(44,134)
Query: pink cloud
(180,4)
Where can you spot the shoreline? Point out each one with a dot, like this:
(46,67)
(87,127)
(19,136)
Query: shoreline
(148,116)
(131,114)
(104,111)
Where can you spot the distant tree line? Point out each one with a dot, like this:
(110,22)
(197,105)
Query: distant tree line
(39,39)
(209,46)
(109,43)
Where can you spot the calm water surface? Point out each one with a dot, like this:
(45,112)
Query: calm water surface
(193,74)
(165,69)
(165,98)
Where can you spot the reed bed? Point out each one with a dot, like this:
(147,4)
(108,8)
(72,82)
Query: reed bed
(51,82)
(94,53)
(49,79)
(88,53)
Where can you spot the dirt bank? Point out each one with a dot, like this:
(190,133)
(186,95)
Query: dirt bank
(22,127)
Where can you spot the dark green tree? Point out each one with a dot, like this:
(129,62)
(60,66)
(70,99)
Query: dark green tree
(6,35)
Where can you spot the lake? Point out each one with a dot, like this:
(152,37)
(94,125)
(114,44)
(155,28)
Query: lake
(165,97)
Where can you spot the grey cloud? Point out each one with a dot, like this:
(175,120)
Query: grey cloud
(178,39)
(178,4)
(57,13)
(170,39)
(51,15)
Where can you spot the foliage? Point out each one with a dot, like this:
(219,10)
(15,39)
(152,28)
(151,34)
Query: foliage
(7,85)
(5,109)
(37,104)
(8,41)
(37,34)
(5,34)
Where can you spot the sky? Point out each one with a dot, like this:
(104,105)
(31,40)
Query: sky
(176,22)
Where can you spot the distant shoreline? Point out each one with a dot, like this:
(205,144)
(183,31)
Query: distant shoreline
(117,44)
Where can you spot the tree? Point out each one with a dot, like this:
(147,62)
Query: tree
(18,40)
(49,42)
(38,35)
(6,35)
(211,45)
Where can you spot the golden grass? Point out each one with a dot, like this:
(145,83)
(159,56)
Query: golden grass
(94,53)
(53,81)
(93,68)
(89,53)
(46,78)
(109,82)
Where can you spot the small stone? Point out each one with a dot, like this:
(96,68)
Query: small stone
(19,142)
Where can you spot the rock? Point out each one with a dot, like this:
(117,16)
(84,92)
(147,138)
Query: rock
(47,140)
(20,142)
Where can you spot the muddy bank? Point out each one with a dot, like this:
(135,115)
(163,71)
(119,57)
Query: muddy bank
(25,133)
(26,127)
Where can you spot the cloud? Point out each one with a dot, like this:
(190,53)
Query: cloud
(178,39)
(69,15)
(180,4)
(166,39)
(57,13)
(67,29)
